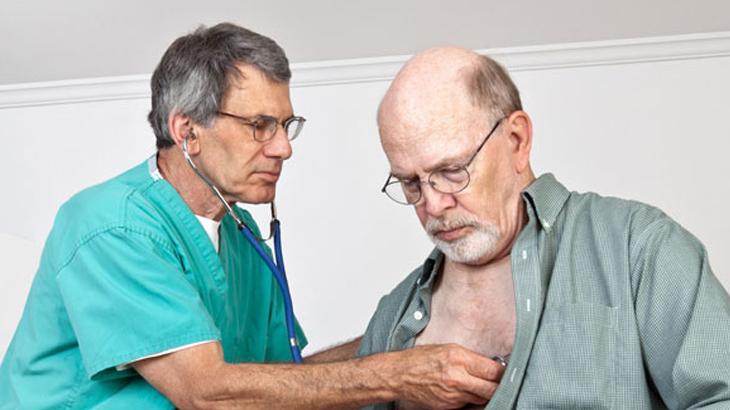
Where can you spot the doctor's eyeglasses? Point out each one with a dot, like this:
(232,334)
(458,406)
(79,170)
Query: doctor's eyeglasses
(447,180)
(264,127)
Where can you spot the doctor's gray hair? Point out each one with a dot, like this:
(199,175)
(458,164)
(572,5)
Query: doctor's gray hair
(491,88)
(196,69)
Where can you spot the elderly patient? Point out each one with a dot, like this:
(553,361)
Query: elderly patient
(595,302)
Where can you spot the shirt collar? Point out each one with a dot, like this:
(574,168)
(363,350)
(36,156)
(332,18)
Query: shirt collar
(430,266)
(547,197)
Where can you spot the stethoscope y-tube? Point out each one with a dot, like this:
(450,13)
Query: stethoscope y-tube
(277,268)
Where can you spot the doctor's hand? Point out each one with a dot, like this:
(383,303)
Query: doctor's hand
(445,376)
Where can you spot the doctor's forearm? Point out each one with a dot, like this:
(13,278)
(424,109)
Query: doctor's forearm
(437,376)
(198,378)
(339,385)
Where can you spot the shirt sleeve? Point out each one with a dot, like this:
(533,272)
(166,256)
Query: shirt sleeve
(128,297)
(683,316)
(376,335)
(388,313)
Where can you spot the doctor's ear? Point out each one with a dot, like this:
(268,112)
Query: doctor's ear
(181,128)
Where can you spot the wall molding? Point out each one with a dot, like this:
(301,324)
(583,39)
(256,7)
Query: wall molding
(543,57)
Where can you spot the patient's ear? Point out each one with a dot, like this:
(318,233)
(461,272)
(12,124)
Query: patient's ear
(519,127)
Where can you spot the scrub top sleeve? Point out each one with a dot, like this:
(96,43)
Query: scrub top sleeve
(137,394)
(128,297)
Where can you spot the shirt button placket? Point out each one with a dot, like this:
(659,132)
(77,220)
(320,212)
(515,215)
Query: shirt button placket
(527,280)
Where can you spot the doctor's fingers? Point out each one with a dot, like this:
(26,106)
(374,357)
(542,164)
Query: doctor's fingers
(445,375)
(454,390)
(485,368)
(471,373)
(445,395)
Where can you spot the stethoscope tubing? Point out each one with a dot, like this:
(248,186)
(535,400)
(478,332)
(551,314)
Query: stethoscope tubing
(278,271)
(280,276)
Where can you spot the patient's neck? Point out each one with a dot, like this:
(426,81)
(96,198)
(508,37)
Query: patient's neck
(460,277)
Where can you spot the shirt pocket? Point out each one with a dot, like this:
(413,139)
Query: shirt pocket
(573,360)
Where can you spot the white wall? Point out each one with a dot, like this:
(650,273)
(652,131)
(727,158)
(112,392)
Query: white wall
(644,120)
(90,38)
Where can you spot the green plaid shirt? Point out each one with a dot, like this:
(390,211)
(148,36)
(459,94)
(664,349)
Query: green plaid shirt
(617,308)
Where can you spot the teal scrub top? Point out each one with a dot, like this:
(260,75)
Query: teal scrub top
(128,271)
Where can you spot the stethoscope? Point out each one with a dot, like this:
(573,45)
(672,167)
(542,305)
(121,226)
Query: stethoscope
(277,268)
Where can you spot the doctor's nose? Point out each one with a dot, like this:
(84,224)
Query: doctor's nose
(279,146)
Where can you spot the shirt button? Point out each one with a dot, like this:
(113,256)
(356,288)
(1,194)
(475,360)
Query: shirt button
(418,315)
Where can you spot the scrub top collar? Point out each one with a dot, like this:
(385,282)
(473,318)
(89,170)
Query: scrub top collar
(210,226)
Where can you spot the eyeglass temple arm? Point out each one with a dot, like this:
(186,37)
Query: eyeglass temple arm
(485,140)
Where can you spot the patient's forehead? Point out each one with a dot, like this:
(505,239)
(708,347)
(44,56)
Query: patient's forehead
(426,113)
(435,147)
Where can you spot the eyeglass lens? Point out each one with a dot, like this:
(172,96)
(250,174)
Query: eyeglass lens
(447,180)
(265,127)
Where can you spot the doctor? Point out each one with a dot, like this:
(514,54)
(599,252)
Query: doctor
(148,297)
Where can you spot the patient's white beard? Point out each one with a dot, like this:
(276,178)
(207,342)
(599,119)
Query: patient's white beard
(470,248)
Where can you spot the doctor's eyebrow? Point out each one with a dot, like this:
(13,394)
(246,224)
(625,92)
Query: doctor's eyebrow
(260,114)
